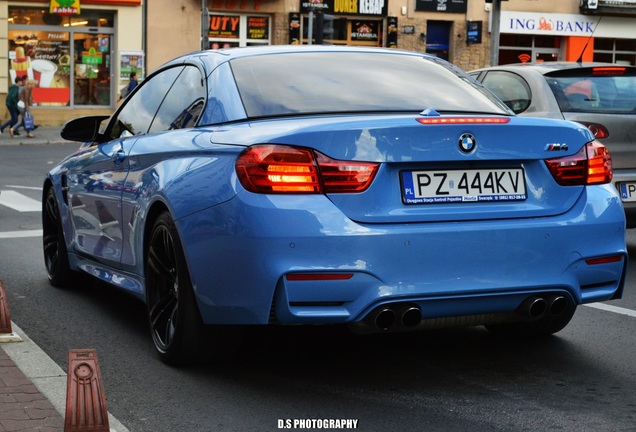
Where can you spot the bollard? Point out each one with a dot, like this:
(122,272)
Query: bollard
(86,409)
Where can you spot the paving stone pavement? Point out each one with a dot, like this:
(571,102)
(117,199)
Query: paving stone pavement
(22,407)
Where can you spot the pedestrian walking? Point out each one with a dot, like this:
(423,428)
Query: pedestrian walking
(13,96)
(24,106)
(134,82)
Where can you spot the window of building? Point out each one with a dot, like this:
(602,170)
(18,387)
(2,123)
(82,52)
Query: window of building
(228,31)
(68,56)
(621,51)
(346,31)
(523,48)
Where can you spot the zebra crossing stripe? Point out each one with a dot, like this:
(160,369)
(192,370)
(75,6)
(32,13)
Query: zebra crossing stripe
(21,234)
(19,202)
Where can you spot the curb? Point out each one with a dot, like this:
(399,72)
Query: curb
(49,378)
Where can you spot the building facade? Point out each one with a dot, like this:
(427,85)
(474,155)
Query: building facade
(80,55)
(82,58)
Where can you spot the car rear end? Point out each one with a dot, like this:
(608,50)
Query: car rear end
(603,98)
(454,214)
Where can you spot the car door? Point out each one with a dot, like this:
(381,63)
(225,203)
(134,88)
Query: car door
(183,92)
(94,191)
(100,178)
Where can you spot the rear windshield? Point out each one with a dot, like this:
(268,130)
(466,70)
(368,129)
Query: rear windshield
(341,82)
(593,92)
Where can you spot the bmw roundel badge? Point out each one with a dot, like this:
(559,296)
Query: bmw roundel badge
(467,143)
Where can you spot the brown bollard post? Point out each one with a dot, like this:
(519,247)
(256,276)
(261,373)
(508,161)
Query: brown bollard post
(86,409)
(5,315)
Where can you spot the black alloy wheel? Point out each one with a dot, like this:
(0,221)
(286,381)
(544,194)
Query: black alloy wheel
(53,244)
(175,322)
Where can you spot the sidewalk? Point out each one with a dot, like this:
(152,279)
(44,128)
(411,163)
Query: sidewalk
(43,135)
(33,388)
(22,406)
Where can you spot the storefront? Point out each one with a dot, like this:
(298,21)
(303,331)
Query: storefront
(239,30)
(538,37)
(72,53)
(355,22)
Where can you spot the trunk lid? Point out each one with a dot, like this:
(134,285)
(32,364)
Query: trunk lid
(497,159)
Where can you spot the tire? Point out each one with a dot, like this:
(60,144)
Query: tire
(54,245)
(544,326)
(177,330)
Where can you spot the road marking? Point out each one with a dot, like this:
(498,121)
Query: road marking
(24,187)
(19,202)
(615,309)
(21,234)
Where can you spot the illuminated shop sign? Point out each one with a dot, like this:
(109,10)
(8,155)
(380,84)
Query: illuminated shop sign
(547,23)
(346,7)
(64,7)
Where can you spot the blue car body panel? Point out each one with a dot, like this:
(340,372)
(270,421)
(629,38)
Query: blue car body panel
(248,253)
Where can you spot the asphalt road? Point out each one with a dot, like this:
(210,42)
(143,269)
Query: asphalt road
(582,379)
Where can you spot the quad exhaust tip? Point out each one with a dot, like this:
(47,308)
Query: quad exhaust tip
(538,306)
(400,315)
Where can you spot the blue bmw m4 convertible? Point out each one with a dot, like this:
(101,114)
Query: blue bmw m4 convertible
(374,188)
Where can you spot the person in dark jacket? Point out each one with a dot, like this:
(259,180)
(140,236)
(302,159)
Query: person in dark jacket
(13,96)
(26,100)
(134,82)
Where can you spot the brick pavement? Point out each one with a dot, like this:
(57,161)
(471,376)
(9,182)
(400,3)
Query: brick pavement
(22,407)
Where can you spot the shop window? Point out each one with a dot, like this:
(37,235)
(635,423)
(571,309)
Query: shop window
(547,41)
(345,31)
(42,56)
(622,51)
(70,63)
(229,31)
(515,48)
(92,69)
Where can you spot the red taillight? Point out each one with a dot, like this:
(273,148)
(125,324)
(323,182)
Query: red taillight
(604,260)
(598,130)
(463,120)
(591,165)
(609,71)
(286,169)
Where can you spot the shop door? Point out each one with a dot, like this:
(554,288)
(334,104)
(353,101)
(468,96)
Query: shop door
(92,63)
(438,38)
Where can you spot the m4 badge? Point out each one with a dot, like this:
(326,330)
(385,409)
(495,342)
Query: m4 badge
(556,147)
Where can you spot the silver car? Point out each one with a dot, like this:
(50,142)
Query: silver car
(601,96)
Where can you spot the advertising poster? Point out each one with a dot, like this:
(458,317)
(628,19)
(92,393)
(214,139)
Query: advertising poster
(42,56)
(131,61)
(257,27)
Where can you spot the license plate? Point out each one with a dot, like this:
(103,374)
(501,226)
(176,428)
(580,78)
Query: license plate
(628,191)
(456,186)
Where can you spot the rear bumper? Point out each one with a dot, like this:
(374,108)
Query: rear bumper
(241,253)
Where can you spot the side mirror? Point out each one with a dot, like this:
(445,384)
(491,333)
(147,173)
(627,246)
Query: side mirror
(83,129)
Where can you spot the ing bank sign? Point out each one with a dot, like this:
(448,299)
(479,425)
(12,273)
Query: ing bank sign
(547,23)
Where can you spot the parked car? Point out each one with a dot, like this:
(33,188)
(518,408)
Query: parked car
(600,96)
(372,188)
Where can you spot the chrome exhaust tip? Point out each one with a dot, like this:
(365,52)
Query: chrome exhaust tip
(384,319)
(411,316)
